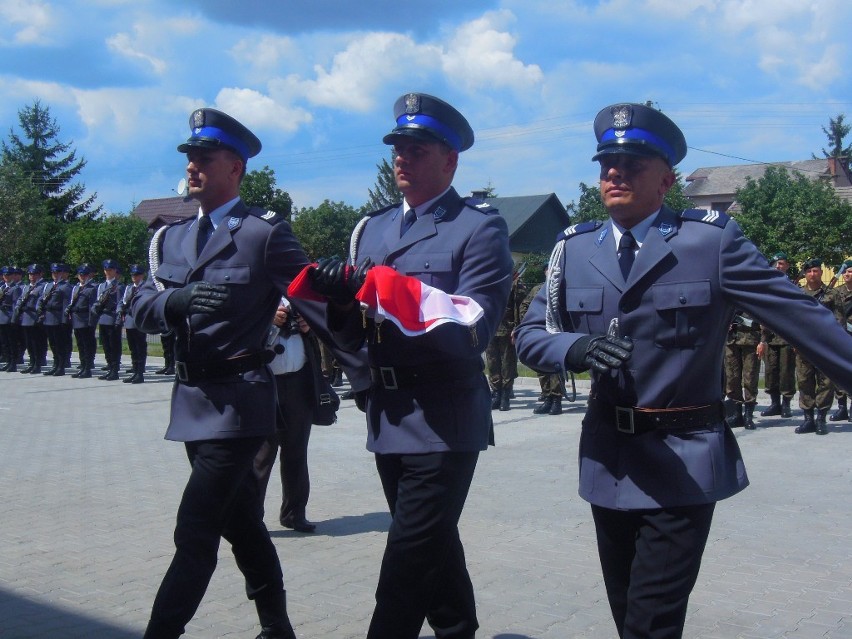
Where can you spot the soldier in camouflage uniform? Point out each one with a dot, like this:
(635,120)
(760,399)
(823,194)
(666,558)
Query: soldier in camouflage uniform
(551,387)
(500,356)
(841,299)
(742,369)
(780,360)
(815,389)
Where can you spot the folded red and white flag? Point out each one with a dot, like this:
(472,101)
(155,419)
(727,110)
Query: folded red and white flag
(416,308)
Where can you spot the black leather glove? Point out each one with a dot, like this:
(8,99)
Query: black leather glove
(329,278)
(97,309)
(202,298)
(602,353)
(361,400)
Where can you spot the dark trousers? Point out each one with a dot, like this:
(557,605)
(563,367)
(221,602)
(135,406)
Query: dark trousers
(86,345)
(220,500)
(111,343)
(36,342)
(138,344)
(292,433)
(423,573)
(650,561)
(59,340)
(9,343)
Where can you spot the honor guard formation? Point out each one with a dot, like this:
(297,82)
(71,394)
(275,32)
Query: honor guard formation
(670,313)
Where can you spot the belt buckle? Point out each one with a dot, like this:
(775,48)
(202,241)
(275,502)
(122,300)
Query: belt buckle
(624,420)
(181,372)
(388,375)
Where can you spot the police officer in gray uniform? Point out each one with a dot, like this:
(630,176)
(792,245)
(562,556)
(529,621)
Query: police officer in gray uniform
(429,407)
(9,290)
(216,281)
(25,315)
(83,321)
(105,310)
(136,339)
(51,312)
(645,300)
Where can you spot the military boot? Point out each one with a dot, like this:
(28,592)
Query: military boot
(556,406)
(86,372)
(785,407)
(504,398)
(139,375)
(749,417)
(842,411)
(26,370)
(545,407)
(132,374)
(59,371)
(112,374)
(774,407)
(821,427)
(52,370)
(272,612)
(733,413)
(807,426)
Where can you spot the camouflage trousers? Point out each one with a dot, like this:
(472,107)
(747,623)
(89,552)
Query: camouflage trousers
(815,389)
(550,384)
(742,371)
(501,360)
(780,370)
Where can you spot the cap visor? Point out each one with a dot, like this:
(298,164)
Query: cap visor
(629,149)
(420,134)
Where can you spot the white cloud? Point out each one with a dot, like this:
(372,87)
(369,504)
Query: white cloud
(124,45)
(359,72)
(256,110)
(266,54)
(28,21)
(481,56)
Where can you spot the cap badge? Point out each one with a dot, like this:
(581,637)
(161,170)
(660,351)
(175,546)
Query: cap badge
(198,118)
(412,103)
(621,116)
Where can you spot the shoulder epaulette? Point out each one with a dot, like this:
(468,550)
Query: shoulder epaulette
(480,205)
(185,220)
(578,229)
(716,218)
(385,209)
(270,216)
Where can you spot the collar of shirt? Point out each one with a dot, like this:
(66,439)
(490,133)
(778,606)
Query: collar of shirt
(639,231)
(218,214)
(425,206)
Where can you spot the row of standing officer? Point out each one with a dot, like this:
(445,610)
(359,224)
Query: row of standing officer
(749,342)
(42,314)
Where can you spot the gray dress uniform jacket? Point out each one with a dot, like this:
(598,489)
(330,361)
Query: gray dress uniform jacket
(256,255)
(692,271)
(460,247)
(55,305)
(82,298)
(31,292)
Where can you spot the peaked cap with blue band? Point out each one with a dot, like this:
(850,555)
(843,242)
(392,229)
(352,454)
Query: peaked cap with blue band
(212,129)
(636,129)
(426,117)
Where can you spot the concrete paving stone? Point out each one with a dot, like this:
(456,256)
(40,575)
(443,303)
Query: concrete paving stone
(86,527)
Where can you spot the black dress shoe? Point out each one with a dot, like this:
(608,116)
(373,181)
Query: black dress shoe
(299,524)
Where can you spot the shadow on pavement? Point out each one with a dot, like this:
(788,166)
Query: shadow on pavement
(344,526)
(22,618)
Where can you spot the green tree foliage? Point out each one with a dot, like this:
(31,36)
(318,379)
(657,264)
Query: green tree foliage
(589,207)
(324,231)
(48,164)
(120,237)
(804,218)
(386,191)
(258,189)
(24,220)
(836,132)
(536,264)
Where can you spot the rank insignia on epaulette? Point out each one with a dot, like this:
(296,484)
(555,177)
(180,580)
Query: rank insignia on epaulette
(483,205)
(577,229)
(268,215)
(233,223)
(715,218)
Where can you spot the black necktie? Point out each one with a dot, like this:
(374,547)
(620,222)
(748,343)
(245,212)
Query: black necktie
(625,253)
(205,228)
(407,221)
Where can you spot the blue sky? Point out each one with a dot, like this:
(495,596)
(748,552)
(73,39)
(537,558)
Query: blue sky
(746,80)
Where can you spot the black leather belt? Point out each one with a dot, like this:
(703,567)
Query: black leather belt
(191,372)
(396,377)
(636,421)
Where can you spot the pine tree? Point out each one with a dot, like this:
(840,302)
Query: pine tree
(386,192)
(49,165)
(835,133)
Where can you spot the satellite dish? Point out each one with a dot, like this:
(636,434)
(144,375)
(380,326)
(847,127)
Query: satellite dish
(181,187)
